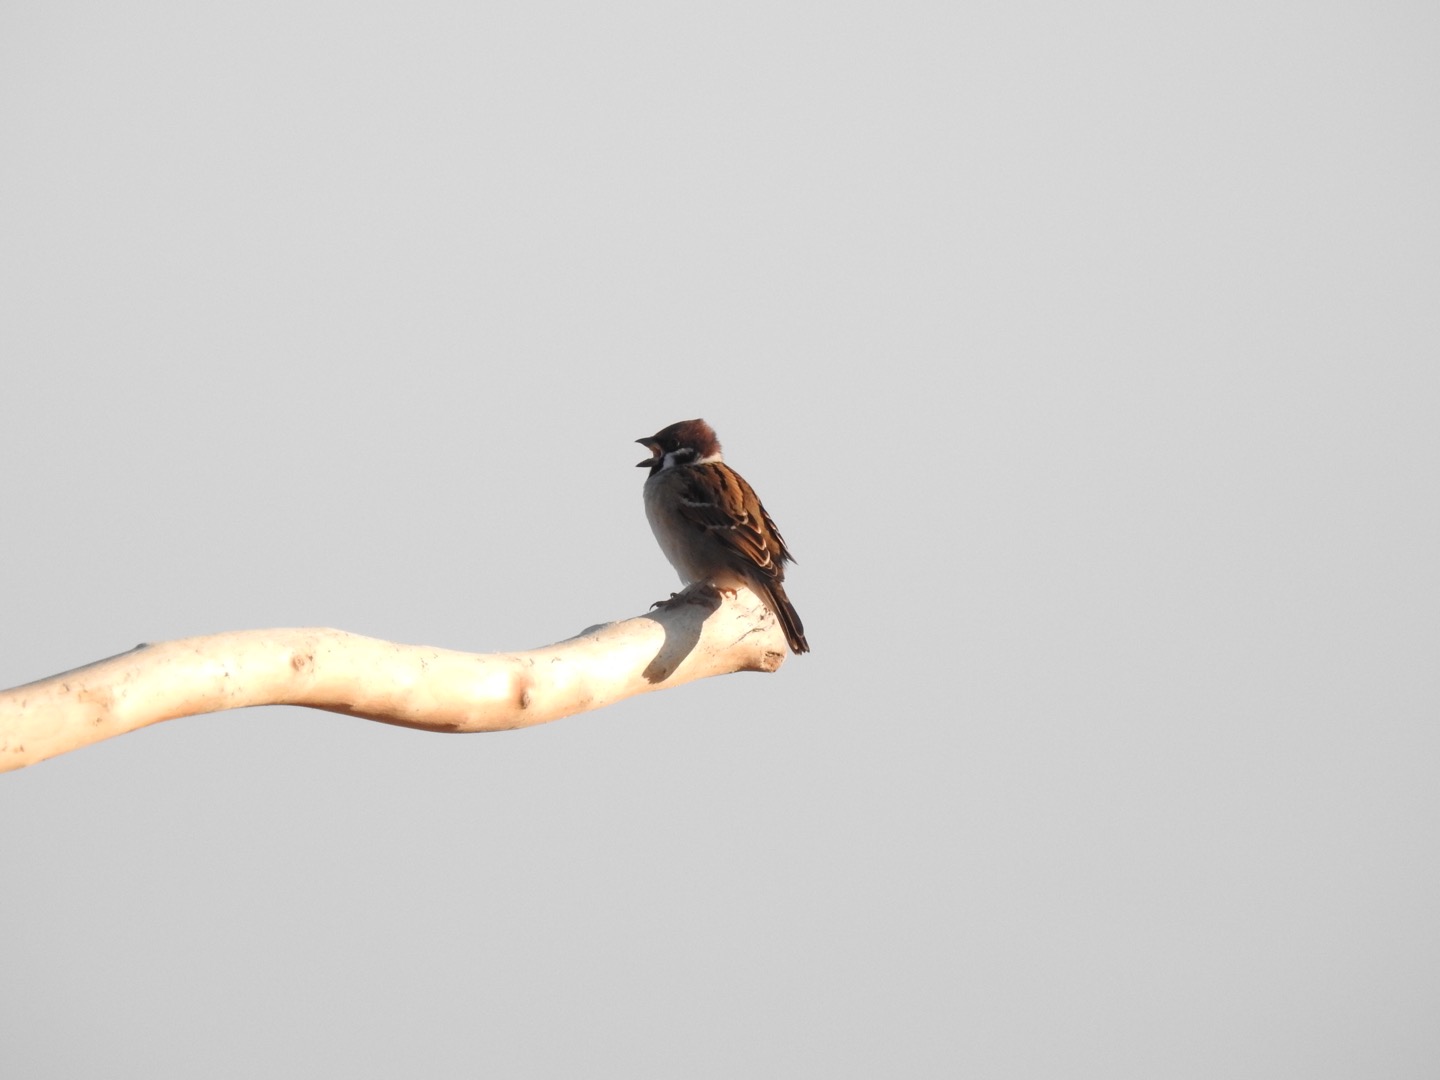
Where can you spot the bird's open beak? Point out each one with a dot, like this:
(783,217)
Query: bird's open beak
(654,449)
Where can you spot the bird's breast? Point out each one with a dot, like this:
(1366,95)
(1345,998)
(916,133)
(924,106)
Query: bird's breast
(672,532)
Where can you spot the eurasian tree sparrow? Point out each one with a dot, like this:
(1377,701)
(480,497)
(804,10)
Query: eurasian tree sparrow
(710,524)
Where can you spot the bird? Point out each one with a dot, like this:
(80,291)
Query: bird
(711,525)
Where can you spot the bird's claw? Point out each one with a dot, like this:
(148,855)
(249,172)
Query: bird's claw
(703,594)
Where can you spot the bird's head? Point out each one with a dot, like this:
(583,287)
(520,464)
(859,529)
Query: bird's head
(684,443)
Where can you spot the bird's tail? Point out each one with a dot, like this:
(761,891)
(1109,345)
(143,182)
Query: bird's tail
(789,618)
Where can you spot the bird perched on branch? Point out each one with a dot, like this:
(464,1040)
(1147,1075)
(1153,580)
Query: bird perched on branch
(710,524)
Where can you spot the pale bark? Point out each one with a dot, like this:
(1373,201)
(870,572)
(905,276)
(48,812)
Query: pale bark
(411,685)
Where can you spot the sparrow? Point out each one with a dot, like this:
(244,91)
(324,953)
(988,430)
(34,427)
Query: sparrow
(710,524)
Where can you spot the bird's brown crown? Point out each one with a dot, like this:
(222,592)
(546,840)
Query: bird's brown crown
(696,434)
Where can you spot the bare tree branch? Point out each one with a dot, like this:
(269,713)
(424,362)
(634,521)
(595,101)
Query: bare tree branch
(411,685)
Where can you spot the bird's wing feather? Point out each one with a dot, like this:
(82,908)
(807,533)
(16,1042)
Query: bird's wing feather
(725,506)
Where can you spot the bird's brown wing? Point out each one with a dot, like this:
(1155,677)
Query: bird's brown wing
(726,507)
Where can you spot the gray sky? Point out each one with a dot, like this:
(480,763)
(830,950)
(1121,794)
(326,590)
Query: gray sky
(1085,354)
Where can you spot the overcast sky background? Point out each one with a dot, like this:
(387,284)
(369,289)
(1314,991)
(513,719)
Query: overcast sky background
(1086,354)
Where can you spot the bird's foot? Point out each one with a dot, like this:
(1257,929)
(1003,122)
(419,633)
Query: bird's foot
(702,594)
